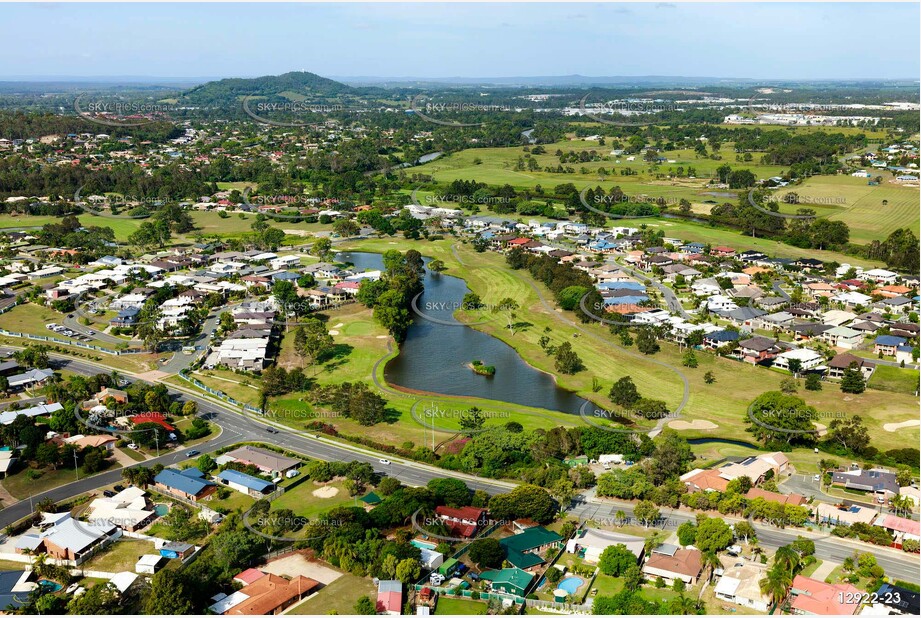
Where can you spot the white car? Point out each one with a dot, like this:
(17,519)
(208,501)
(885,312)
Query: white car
(386,462)
(817,477)
(133,446)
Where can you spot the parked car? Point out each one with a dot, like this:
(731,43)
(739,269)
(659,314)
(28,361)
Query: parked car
(385,462)
(192,453)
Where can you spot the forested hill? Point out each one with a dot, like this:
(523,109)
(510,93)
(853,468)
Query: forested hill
(292,84)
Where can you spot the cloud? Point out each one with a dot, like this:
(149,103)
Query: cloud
(666,5)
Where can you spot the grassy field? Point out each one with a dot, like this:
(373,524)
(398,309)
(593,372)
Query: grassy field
(240,387)
(894,379)
(21,485)
(848,199)
(303,502)
(236,501)
(448,606)
(122,555)
(724,402)
(338,597)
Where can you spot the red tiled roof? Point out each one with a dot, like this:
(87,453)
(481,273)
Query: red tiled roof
(152,417)
(249,576)
(815,597)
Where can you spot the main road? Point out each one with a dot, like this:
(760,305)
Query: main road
(237,427)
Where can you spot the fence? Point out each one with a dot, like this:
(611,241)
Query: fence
(78,344)
(219,394)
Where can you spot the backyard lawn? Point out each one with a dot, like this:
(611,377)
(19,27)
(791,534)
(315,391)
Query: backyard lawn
(120,556)
(311,500)
(455,607)
(338,597)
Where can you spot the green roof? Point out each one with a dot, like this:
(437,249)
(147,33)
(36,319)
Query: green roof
(514,577)
(447,565)
(518,546)
(530,538)
(371,498)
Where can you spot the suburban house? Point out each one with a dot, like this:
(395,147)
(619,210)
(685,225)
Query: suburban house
(589,543)
(390,597)
(772,496)
(757,349)
(813,597)
(64,538)
(843,337)
(844,515)
(808,359)
(671,563)
(245,483)
(875,481)
(887,344)
(525,550)
(898,601)
(267,461)
(267,595)
(740,585)
(462,521)
(901,528)
(756,468)
(188,484)
(129,509)
(704,480)
(510,581)
(839,363)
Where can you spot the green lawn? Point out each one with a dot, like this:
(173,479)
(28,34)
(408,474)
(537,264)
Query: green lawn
(895,379)
(240,387)
(852,200)
(120,556)
(339,597)
(21,485)
(304,503)
(236,501)
(448,606)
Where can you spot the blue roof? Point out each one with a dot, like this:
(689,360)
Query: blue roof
(722,335)
(285,276)
(625,300)
(181,481)
(621,285)
(250,482)
(890,340)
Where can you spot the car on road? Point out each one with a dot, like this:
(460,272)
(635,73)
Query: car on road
(385,462)
(271,430)
(192,453)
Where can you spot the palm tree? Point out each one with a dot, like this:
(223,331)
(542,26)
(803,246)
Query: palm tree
(684,606)
(711,560)
(788,558)
(776,584)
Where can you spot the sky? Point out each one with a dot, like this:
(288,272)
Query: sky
(740,40)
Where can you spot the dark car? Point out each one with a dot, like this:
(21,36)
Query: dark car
(108,494)
(118,488)
(271,430)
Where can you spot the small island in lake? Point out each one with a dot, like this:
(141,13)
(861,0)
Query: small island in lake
(481,369)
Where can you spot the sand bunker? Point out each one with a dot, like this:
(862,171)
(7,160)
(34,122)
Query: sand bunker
(896,426)
(325,492)
(334,332)
(339,325)
(381,337)
(695,424)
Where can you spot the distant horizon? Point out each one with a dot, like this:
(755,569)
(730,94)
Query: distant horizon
(423,78)
(805,41)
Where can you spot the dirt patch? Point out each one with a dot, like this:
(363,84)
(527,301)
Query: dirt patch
(903,425)
(822,429)
(695,424)
(293,565)
(326,492)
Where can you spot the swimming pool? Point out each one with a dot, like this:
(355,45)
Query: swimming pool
(570,584)
(49,585)
(161,509)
